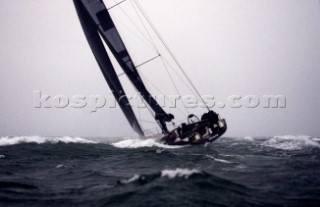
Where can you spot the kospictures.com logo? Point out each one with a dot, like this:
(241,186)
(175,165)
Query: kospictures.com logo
(95,102)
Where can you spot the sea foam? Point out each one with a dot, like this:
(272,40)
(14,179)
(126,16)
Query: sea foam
(171,174)
(179,172)
(290,142)
(5,141)
(131,180)
(140,143)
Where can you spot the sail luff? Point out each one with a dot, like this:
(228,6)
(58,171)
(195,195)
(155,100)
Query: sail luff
(91,32)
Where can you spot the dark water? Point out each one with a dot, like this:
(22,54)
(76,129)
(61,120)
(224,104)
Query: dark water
(277,171)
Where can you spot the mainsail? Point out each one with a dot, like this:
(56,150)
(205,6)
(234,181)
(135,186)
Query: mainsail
(96,21)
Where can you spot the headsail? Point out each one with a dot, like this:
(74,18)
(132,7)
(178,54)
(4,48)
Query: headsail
(91,31)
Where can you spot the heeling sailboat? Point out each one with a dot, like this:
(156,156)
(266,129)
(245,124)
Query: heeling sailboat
(97,23)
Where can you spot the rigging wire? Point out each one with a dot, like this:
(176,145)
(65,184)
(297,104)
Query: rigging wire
(145,28)
(175,86)
(143,38)
(151,40)
(147,61)
(117,4)
(149,44)
(147,106)
(153,46)
(170,52)
(154,86)
(179,76)
(141,64)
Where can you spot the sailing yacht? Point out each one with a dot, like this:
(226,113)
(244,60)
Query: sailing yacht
(99,28)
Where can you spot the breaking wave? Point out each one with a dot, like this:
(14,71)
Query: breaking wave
(171,174)
(286,142)
(179,172)
(6,141)
(290,142)
(131,180)
(140,143)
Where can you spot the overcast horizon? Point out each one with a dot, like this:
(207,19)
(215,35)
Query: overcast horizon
(227,48)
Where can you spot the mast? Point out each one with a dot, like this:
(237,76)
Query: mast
(96,21)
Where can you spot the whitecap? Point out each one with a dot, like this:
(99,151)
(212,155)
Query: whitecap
(130,180)
(291,142)
(5,141)
(179,172)
(59,166)
(248,138)
(159,151)
(140,143)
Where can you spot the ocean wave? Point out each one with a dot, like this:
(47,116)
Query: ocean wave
(131,180)
(171,174)
(245,138)
(285,142)
(179,172)
(141,143)
(290,142)
(15,185)
(218,160)
(5,141)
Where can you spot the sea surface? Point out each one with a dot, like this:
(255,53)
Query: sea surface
(238,171)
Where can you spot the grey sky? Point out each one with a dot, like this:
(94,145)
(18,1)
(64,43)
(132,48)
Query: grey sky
(244,47)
